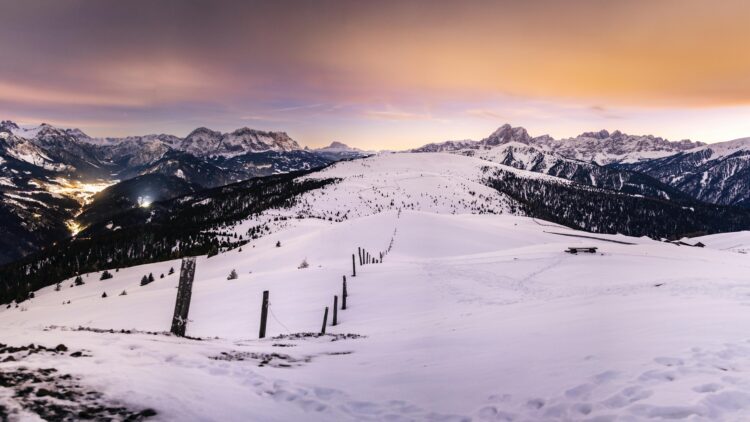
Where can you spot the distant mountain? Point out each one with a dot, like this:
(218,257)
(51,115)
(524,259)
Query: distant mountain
(47,173)
(606,148)
(527,157)
(448,146)
(717,173)
(598,147)
(339,151)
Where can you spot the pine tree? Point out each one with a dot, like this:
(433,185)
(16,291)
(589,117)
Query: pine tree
(57,287)
(150,277)
(162,275)
(171,271)
(78,281)
(144,281)
(106,275)
(278,244)
(232,275)
(104,295)
(124,293)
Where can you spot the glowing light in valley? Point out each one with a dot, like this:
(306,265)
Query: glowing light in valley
(74,227)
(144,201)
(82,192)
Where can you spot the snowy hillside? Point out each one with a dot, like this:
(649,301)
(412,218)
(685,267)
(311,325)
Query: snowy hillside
(478,317)
(735,242)
(717,173)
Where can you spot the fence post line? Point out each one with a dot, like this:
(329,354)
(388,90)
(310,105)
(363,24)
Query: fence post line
(335,310)
(343,296)
(263,315)
(325,321)
(354,267)
(184,294)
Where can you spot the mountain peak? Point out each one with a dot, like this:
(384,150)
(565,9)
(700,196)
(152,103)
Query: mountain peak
(506,133)
(8,125)
(202,131)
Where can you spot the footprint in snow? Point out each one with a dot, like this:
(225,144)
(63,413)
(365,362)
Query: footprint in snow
(667,361)
(580,391)
(492,413)
(708,388)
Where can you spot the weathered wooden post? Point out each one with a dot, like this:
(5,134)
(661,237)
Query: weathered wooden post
(325,321)
(335,310)
(354,267)
(263,315)
(359,252)
(184,293)
(343,296)
(381,257)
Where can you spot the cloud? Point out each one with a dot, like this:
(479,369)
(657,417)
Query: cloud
(396,115)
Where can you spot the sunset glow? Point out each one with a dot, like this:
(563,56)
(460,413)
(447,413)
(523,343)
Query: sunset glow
(380,74)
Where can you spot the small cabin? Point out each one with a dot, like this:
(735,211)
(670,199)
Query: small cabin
(582,249)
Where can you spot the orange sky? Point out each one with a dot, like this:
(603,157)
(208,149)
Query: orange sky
(391,74)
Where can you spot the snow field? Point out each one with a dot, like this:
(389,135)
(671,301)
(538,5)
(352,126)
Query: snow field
(470,316)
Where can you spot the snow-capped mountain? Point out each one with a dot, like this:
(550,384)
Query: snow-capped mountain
(528,157)
(45,171)
(339,150)
(717,173)
(606,148)
(448,146)
(600,147)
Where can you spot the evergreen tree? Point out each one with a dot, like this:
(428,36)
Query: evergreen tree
(144,280)
(106,275)
(150,277)
(171,271)
(232,275)
(78,281)
(104,294)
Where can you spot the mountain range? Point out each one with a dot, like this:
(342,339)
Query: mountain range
(717,173)
(50,176)
(58,182)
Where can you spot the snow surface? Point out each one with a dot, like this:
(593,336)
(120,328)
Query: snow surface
(735,242)
(470,317)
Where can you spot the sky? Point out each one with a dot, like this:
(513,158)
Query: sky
(379,74)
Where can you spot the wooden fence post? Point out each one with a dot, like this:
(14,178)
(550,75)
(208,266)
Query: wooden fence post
(343,296)
(335,310)
(354,267)
(325,321)
(263,315)
(184,293)
(359,252)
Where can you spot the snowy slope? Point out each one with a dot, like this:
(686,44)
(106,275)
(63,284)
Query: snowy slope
(735,242)
(717,173)
(474,314)
(470,316)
